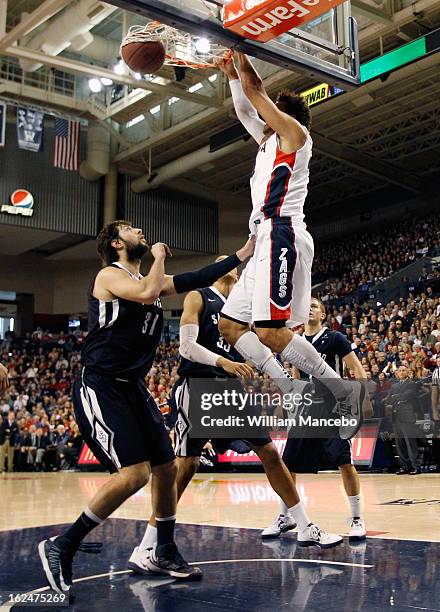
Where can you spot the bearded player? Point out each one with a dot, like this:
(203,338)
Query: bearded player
(283,257)
(116,414)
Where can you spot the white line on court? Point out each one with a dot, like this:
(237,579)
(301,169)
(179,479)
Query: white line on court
(6,607)
(322,561)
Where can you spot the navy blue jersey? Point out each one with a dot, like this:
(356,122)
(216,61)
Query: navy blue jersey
(123,336)
(332,346)
(209,337)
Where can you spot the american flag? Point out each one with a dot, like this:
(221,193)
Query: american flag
(66,144)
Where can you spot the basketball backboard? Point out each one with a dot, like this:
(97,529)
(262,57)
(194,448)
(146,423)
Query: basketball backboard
(325,48)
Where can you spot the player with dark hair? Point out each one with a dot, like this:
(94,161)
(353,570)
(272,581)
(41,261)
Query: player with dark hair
(117,416)
(308,455)
(295,106)
(205,354)
(282,262)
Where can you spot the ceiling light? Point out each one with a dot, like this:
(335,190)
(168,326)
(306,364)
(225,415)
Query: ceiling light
(119,67)
(203,45)
(137,76)
(134,121)
(95,85)
(106,81)
(195,87)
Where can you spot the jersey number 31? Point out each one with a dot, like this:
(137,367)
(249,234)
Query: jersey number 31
(149,324)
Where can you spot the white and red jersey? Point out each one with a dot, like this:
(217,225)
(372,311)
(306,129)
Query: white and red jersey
(279,182)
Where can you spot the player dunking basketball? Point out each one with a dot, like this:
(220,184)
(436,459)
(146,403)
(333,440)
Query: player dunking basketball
(117,416)
(205,354)
(274,290)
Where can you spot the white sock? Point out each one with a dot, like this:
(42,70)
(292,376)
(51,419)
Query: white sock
(355,505)
(303,355)
(252,349)
(150,538)
(299,515)
(283,508)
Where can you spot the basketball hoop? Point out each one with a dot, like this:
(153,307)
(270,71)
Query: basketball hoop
(180,47)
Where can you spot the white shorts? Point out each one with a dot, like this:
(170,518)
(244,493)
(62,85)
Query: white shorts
(276,283)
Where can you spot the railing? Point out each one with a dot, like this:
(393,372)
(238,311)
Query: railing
(49,80)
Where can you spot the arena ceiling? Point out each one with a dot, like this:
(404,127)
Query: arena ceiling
(379,143)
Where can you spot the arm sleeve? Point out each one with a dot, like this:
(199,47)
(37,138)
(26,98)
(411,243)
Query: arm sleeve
(193,351)
(188,281)
(246,112)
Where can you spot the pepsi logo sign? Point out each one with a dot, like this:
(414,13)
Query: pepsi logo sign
(22,197)
(22,202)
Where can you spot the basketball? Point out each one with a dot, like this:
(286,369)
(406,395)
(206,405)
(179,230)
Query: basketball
(144,57)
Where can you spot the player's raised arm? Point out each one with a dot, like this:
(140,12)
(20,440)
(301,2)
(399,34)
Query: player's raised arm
(291,133)
(197,279)
(112,281)
(246,113)
(192,350)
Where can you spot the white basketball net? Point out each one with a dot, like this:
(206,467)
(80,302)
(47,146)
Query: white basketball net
(181,48)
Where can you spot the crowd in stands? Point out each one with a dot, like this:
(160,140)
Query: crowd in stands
(38,429)
(37,423)
(403,331)
(364,259)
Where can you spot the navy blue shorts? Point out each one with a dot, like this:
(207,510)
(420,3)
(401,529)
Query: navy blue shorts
(309,455)
(120,422)
(186,446)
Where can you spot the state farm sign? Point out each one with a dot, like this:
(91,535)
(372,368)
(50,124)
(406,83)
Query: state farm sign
(264,20)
